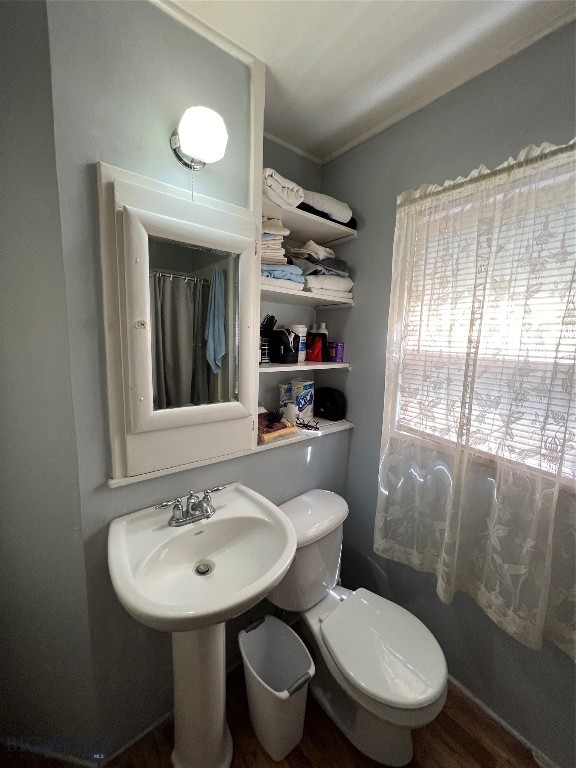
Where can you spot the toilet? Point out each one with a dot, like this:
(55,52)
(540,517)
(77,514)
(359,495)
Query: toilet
(379,671)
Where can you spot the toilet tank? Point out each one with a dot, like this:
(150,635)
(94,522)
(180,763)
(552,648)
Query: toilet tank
(317,517)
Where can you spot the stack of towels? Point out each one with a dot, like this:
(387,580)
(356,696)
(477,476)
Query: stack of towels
(288,194)
(275,269)
(271,247)
(322,271)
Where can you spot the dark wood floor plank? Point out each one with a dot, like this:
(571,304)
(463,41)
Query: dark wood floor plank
(431,749)
(462,736)
(508,752)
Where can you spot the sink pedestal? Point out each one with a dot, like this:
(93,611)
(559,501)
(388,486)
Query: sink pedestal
(201,735)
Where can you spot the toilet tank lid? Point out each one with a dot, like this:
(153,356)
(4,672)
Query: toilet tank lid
(315,514)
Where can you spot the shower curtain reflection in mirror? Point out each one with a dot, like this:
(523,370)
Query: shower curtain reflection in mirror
(189,317)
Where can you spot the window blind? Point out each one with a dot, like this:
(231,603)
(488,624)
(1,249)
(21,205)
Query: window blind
(488,337)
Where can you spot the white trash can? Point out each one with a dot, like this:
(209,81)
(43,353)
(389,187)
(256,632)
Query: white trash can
(277,668)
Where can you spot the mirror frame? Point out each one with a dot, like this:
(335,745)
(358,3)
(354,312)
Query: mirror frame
(138,226)
(145,442)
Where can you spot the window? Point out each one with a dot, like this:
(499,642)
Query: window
(478,460)
(489,326)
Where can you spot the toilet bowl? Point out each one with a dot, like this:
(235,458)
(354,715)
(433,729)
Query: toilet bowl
(380,672)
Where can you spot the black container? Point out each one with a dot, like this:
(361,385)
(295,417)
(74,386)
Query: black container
(329,403)
(284,345)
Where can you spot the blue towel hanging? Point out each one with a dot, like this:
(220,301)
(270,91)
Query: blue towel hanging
(215,333)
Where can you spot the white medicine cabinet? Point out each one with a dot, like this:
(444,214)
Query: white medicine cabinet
(172,269)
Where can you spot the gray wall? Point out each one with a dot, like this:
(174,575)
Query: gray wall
(527,99)
(292,166)
(90,81)
(44,632)
(122,75)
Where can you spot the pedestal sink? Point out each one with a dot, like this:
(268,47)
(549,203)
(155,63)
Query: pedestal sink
(189,580)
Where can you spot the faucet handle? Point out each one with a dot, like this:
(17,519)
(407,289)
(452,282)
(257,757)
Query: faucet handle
(208,491)
(166,504)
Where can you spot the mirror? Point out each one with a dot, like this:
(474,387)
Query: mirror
(193,321)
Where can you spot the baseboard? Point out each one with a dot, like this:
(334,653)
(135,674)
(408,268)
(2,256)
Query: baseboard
(540,758)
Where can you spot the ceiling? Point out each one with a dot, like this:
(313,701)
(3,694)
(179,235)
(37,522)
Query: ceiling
(339,71)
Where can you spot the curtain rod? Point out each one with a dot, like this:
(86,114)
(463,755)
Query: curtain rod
(180,275)
(415,196)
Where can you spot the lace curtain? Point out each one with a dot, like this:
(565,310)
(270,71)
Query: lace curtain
(478,458)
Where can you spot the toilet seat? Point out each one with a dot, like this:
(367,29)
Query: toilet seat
(385,651)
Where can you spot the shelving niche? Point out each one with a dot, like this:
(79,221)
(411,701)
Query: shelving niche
(303,226)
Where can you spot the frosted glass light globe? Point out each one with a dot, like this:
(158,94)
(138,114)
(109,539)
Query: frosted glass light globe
(202,134)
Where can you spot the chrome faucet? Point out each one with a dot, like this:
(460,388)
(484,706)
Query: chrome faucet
(196,508)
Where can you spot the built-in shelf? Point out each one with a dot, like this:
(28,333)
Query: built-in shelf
(326,428)
(307,366)
(303,298)
(305,226)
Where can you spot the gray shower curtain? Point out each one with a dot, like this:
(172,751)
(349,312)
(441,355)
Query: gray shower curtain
(180,371)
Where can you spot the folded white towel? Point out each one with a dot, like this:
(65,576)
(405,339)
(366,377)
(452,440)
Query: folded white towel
(274,227)
(332,294)
(283,192)
(272,252)
(334,208)
(329,282)
(277,282)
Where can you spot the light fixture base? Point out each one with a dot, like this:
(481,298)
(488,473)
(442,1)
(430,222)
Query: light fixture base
(188,162)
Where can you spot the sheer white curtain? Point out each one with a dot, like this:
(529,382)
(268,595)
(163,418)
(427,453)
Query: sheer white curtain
(478,459)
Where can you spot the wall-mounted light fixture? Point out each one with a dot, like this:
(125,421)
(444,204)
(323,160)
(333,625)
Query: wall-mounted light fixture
(200,138)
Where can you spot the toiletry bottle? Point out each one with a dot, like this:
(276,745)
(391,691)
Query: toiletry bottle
(317,345)
(309,337)
(301,331)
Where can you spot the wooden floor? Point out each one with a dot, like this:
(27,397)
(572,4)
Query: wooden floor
(462,736)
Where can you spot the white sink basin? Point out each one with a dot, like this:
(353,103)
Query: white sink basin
(247,545)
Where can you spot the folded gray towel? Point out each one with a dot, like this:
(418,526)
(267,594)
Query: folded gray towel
(312,266)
